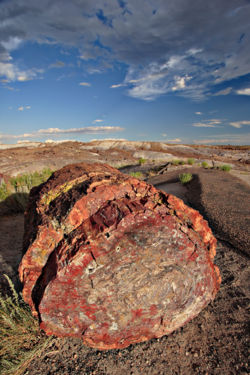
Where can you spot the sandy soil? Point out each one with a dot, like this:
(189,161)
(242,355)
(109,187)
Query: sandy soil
(216,341)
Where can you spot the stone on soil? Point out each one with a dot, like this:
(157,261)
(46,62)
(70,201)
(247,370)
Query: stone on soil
(113,260)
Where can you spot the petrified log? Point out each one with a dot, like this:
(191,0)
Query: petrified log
(113,260)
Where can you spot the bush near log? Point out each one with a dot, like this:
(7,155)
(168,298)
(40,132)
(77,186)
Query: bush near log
(113,260)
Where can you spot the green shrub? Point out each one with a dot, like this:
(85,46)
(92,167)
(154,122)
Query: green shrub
(176,162)
(20,337)
(3,192)
(142,161)
(24,182)
(136,174)
(225,167)
(185,178)
(191,161)
(182,162)
(204,164)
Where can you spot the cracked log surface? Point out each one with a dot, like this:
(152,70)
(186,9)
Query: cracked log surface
(113,260)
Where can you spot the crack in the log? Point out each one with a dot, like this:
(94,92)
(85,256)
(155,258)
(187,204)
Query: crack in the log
(83,332)
(91,252)
(195,250)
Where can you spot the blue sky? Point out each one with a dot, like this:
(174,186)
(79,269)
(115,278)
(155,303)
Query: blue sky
(163,70)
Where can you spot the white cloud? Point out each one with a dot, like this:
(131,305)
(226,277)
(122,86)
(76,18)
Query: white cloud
(12,73)
(214,121)
(164,135)
(57,132)
(58,64)
(239,124)
(12,43)
(85,130)
(108,139)
(116,86)
(210,123)
(21,108)
(176,140)
(198,113)
(97,120)
(86,84)
(245,91)
(226,91)
(23,77)
(180,83)
(237,139)
(203,125)
(177,40)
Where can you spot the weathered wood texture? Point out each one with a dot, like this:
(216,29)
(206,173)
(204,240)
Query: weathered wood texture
(113,260)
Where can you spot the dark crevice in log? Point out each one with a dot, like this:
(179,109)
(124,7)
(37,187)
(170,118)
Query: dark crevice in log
(60,206)
(47,275)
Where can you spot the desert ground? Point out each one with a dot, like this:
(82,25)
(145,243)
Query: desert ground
(216,341)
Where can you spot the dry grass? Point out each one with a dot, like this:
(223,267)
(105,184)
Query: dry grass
(21,339)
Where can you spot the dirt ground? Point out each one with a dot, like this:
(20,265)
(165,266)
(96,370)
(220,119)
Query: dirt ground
(216,341)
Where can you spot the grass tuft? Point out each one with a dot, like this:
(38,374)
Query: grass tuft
(191,161)
(204,164)
(225,168)
(142,161)
(175,162)
(185,178)
(21,339)
(136,174)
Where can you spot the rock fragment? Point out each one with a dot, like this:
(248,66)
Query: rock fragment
(113,260)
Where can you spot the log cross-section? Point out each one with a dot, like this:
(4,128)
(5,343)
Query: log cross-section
(113,260)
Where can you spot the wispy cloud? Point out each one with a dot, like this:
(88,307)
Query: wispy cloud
(239,124)
(148,37)
(237,139)
(212,123)
(175,140)
(226,91)
(85,130)
(203,125)
(118,85)
(57,132)
(86,84)
(58,64)
(245,91)
(198,113)
(215,121)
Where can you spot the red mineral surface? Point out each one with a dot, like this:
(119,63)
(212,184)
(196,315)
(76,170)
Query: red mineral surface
(113,260)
